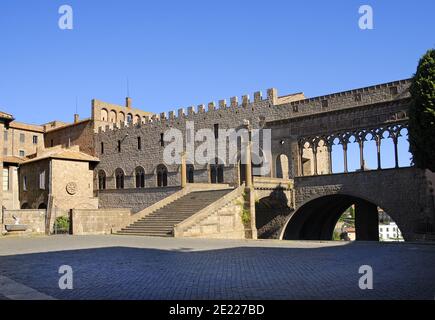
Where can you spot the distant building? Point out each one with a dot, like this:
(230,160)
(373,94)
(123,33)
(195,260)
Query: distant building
(390,232)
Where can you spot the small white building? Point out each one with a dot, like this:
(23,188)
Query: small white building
(390,232)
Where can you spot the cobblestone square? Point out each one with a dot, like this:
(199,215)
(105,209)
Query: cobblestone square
(129,267)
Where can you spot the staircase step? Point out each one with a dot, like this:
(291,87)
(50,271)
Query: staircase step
(162,221)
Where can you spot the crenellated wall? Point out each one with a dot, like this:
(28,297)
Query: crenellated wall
(295,108)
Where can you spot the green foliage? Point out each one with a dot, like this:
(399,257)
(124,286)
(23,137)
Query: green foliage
(246,216)
(336,236)
(61,224)
(422,113)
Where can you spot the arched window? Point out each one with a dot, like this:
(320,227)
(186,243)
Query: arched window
(112,116)
(190,173)
(129,118)
(137,119)
(101,180)
(42,206)
(140,177)
(104,115)
(25,205)
(119,175)
(162,176)
(121,117)
(216,172)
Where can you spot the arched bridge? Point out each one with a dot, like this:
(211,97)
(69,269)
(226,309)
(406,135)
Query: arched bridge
(310,206)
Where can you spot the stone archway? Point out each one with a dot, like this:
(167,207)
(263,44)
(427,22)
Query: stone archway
(316,219)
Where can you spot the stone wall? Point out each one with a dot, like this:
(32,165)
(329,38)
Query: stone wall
(11,199)
(79,134)
(33,219)
(78,174)
(232,115)
(98,221)
(134,199)
(402,193)
(13,143)
(33,196)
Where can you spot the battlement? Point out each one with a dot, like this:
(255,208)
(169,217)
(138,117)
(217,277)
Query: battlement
(292,105)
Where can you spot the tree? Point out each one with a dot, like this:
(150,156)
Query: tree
(422,113)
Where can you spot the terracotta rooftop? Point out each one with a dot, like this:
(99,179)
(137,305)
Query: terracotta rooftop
(13,159)
(25,126)
(58,152)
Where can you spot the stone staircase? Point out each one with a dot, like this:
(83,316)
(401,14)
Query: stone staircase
(160,223)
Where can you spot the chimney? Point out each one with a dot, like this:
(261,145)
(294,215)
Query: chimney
(128,102)
(76,118)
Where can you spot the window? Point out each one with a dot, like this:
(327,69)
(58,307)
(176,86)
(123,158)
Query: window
(101,180)
(139,143)
(51,143)
(162,142)
(190,173)
(22,153)
(162,176)
(129,118)
(119,175)
(216,172)
(35,139)
(5,179)
(24,183)
(22,138)
(42,180)
(102,147)
(140,177)
(5,135)
(216,130)
(119,145)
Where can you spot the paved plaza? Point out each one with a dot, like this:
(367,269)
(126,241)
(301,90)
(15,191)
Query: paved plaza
(129,267)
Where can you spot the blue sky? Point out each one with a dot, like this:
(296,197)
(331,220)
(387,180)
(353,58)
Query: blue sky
(180,53)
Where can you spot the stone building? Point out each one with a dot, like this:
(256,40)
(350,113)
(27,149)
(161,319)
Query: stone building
(58,178)
(5,120)
(22,139)
(111,170)
(81,132)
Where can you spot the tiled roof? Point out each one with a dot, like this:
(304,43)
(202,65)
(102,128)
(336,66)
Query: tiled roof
(13,159)
(62,153)
(25,126)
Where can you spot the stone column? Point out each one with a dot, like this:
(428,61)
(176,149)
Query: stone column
(345,156)
(301,161)
(248,166)
(183,170)
(366,221)
(249,189)
(329,147)
(378,147)
(396,153)
(361,154)
(315,158)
